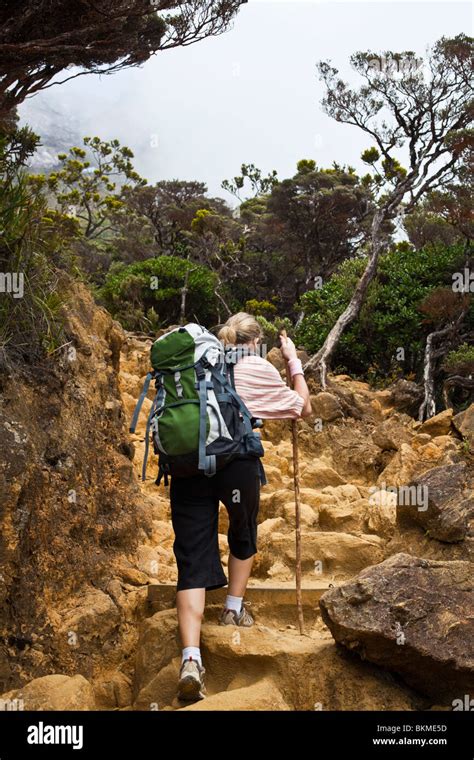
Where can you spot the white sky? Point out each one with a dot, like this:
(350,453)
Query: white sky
(250,95)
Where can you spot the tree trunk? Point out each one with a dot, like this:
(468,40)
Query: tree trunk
(455,381)
(218,295)
(319,360)
(308,279)
(428,406)
(184,293)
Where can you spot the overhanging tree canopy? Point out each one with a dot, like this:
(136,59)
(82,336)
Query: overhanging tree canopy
(41,38)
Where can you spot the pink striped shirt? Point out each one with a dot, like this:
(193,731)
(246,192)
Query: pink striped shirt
(264,392)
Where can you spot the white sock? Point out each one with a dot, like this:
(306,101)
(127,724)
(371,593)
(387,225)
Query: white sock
(233,602)
(193,653)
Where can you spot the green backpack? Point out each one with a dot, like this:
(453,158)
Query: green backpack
(198,422)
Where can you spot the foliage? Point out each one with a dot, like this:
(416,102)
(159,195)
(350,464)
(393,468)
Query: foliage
(91,182)
(170,207)
(271,329)
(41,38)
(390,318)
(460,361)
(260,308)
(259,184)
(33,243)
(130,292)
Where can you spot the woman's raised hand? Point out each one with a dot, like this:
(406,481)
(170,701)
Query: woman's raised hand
(287,348)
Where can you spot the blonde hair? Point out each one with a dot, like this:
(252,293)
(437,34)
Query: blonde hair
(240,328)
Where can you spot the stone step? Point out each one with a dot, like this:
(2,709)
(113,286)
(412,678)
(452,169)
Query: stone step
(273,602)
(260,668)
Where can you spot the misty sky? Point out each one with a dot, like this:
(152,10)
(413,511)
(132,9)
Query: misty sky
(250,95)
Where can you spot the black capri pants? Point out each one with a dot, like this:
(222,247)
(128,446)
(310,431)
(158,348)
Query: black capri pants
(195,513)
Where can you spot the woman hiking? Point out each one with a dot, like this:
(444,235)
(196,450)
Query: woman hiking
(195,502)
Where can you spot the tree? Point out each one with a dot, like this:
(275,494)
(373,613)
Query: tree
(427,115)
(216,243)
(323,217)
(258,183)
(41,38)
(459,366)
(388,337)
(446,311)
(445,215)
(91,183)
(34,242)
(300,228)
(170,206)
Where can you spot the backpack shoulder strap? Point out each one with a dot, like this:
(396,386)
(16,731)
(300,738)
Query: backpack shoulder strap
(242,406)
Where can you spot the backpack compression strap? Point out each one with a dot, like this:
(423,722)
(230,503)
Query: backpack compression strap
(155,405)
(206,463)
(157,401)
(140,401)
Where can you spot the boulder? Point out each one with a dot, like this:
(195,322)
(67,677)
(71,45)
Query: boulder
(412,616)
(464,424)
(440,424)
(348,517)
(261,668)
(326,406)
(390,434)
(275,357)
(445,443)
(403,395)
(318,474)
(309,673)
(272,503)
(273,474)
(308,517)
(94,618)
(340,554)
(157,646)
(268,527)
(444,504)
(263,695)
(55,692)
(113,690)
(401,468)
(420,439)
(381,513)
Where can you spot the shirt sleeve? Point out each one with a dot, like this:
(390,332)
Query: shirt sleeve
(266,395)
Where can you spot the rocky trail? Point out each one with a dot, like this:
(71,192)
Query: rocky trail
(346,528)
(397,583)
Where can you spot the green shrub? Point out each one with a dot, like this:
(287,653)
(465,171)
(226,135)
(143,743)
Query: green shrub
(260,308)
(34,241)
(271,329)
(460,361)
(147,293)
(390,317)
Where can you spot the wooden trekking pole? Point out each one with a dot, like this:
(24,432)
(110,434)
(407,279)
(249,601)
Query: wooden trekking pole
(296,478)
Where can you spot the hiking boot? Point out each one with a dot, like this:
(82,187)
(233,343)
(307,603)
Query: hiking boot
(191,681)
(242,618)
